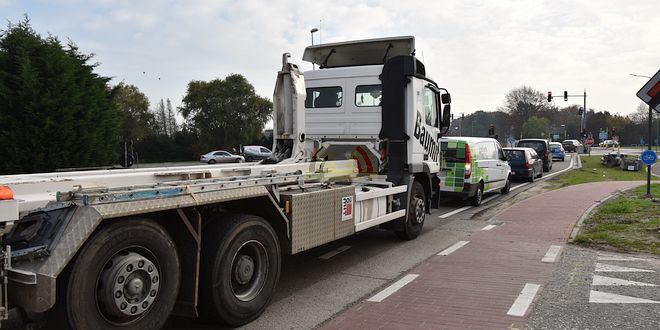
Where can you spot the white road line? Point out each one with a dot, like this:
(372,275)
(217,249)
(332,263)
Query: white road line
(335,252)
(489,199)
(519,186)
(570,166)
(453,248)
(606,257)
(489,227)
(619,269)
(393,288)
(454,212)
(552,254)
(599,297)
(611,281)
(525,298)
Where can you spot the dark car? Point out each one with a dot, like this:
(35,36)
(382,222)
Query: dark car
(571,145)
(542,148)
(525,163)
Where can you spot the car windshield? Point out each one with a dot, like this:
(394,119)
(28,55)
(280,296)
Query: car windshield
(538,146)
(555,148)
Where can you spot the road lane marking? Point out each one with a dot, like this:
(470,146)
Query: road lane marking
(600,297)
(570,166)
(393,288)
(453,248)
(490,198)
(454,212)
(335,252)
(619,269)
(519,186)
(611,281)
(606,257)
(552,254)
(489,227)
(524,300)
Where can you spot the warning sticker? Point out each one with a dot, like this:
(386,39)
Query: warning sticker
(346,208)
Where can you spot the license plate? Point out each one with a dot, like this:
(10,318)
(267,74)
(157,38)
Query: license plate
(513,173)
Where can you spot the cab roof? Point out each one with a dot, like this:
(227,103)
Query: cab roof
(359,52)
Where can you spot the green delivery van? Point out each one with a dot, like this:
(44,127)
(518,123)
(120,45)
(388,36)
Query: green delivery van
(472,166)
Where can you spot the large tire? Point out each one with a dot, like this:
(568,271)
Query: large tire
(478,195)
(125,277)
(507,186)
(241,264)
(416,214)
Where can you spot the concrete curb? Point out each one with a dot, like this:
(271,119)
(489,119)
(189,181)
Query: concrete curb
(589,211)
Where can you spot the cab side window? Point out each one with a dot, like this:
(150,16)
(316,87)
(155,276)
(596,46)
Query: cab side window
(430,107)
(323,97)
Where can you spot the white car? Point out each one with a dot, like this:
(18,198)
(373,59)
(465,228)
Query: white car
(220,156)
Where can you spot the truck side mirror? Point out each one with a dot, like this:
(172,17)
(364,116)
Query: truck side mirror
(446,98)
(446,115)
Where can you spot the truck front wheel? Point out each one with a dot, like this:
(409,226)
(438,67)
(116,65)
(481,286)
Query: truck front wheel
(241,264)
(416,213)
(125,276)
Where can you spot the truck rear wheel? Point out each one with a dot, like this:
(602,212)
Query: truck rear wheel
(126,276)
(241,264)
(416,213)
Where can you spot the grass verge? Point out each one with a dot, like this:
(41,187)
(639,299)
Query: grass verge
(592,171)
(628,223)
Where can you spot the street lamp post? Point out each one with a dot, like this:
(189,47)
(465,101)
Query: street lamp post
(312,33)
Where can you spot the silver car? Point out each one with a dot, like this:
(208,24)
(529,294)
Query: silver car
(221,156)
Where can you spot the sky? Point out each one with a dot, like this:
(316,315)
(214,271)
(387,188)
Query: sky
(478,50)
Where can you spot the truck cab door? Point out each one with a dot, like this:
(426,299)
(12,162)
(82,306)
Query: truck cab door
(426,147)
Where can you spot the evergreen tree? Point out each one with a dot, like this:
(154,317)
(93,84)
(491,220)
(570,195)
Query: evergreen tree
(172,127)
(55,111)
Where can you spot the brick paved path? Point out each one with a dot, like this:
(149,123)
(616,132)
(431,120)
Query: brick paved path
(475,286)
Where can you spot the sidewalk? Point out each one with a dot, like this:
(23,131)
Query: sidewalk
(475,286)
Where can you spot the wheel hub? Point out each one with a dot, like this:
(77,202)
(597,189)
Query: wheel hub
(244,269)
(419,210)
(129,285)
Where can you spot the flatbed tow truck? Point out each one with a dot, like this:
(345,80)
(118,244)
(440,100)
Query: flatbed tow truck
(355,147)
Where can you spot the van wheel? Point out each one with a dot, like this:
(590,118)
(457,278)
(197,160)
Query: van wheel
(478,196)
(416,213)
(240,269)
(126,276)
(507,186)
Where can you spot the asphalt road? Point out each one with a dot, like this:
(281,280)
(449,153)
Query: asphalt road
(314,287)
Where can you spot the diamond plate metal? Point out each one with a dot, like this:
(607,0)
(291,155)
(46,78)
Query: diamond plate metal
(41,297)
(120,209)
(315,216)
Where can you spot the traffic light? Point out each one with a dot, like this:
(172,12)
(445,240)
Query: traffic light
(549,96)
(613,131)
(491,130)
(565,95)
(580,111)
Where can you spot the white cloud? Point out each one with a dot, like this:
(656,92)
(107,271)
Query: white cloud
(479,50)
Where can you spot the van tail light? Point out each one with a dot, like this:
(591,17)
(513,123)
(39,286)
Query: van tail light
(382,151)
(468,162)
(6,193)
(529,163)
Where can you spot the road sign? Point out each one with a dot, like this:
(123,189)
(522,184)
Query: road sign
(648,157)
(650,92)
(589,141)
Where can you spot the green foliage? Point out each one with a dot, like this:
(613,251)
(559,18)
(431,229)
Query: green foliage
(536,127)
(630,222)
(593,171)
(225,112)
(136,120)
(56,112)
